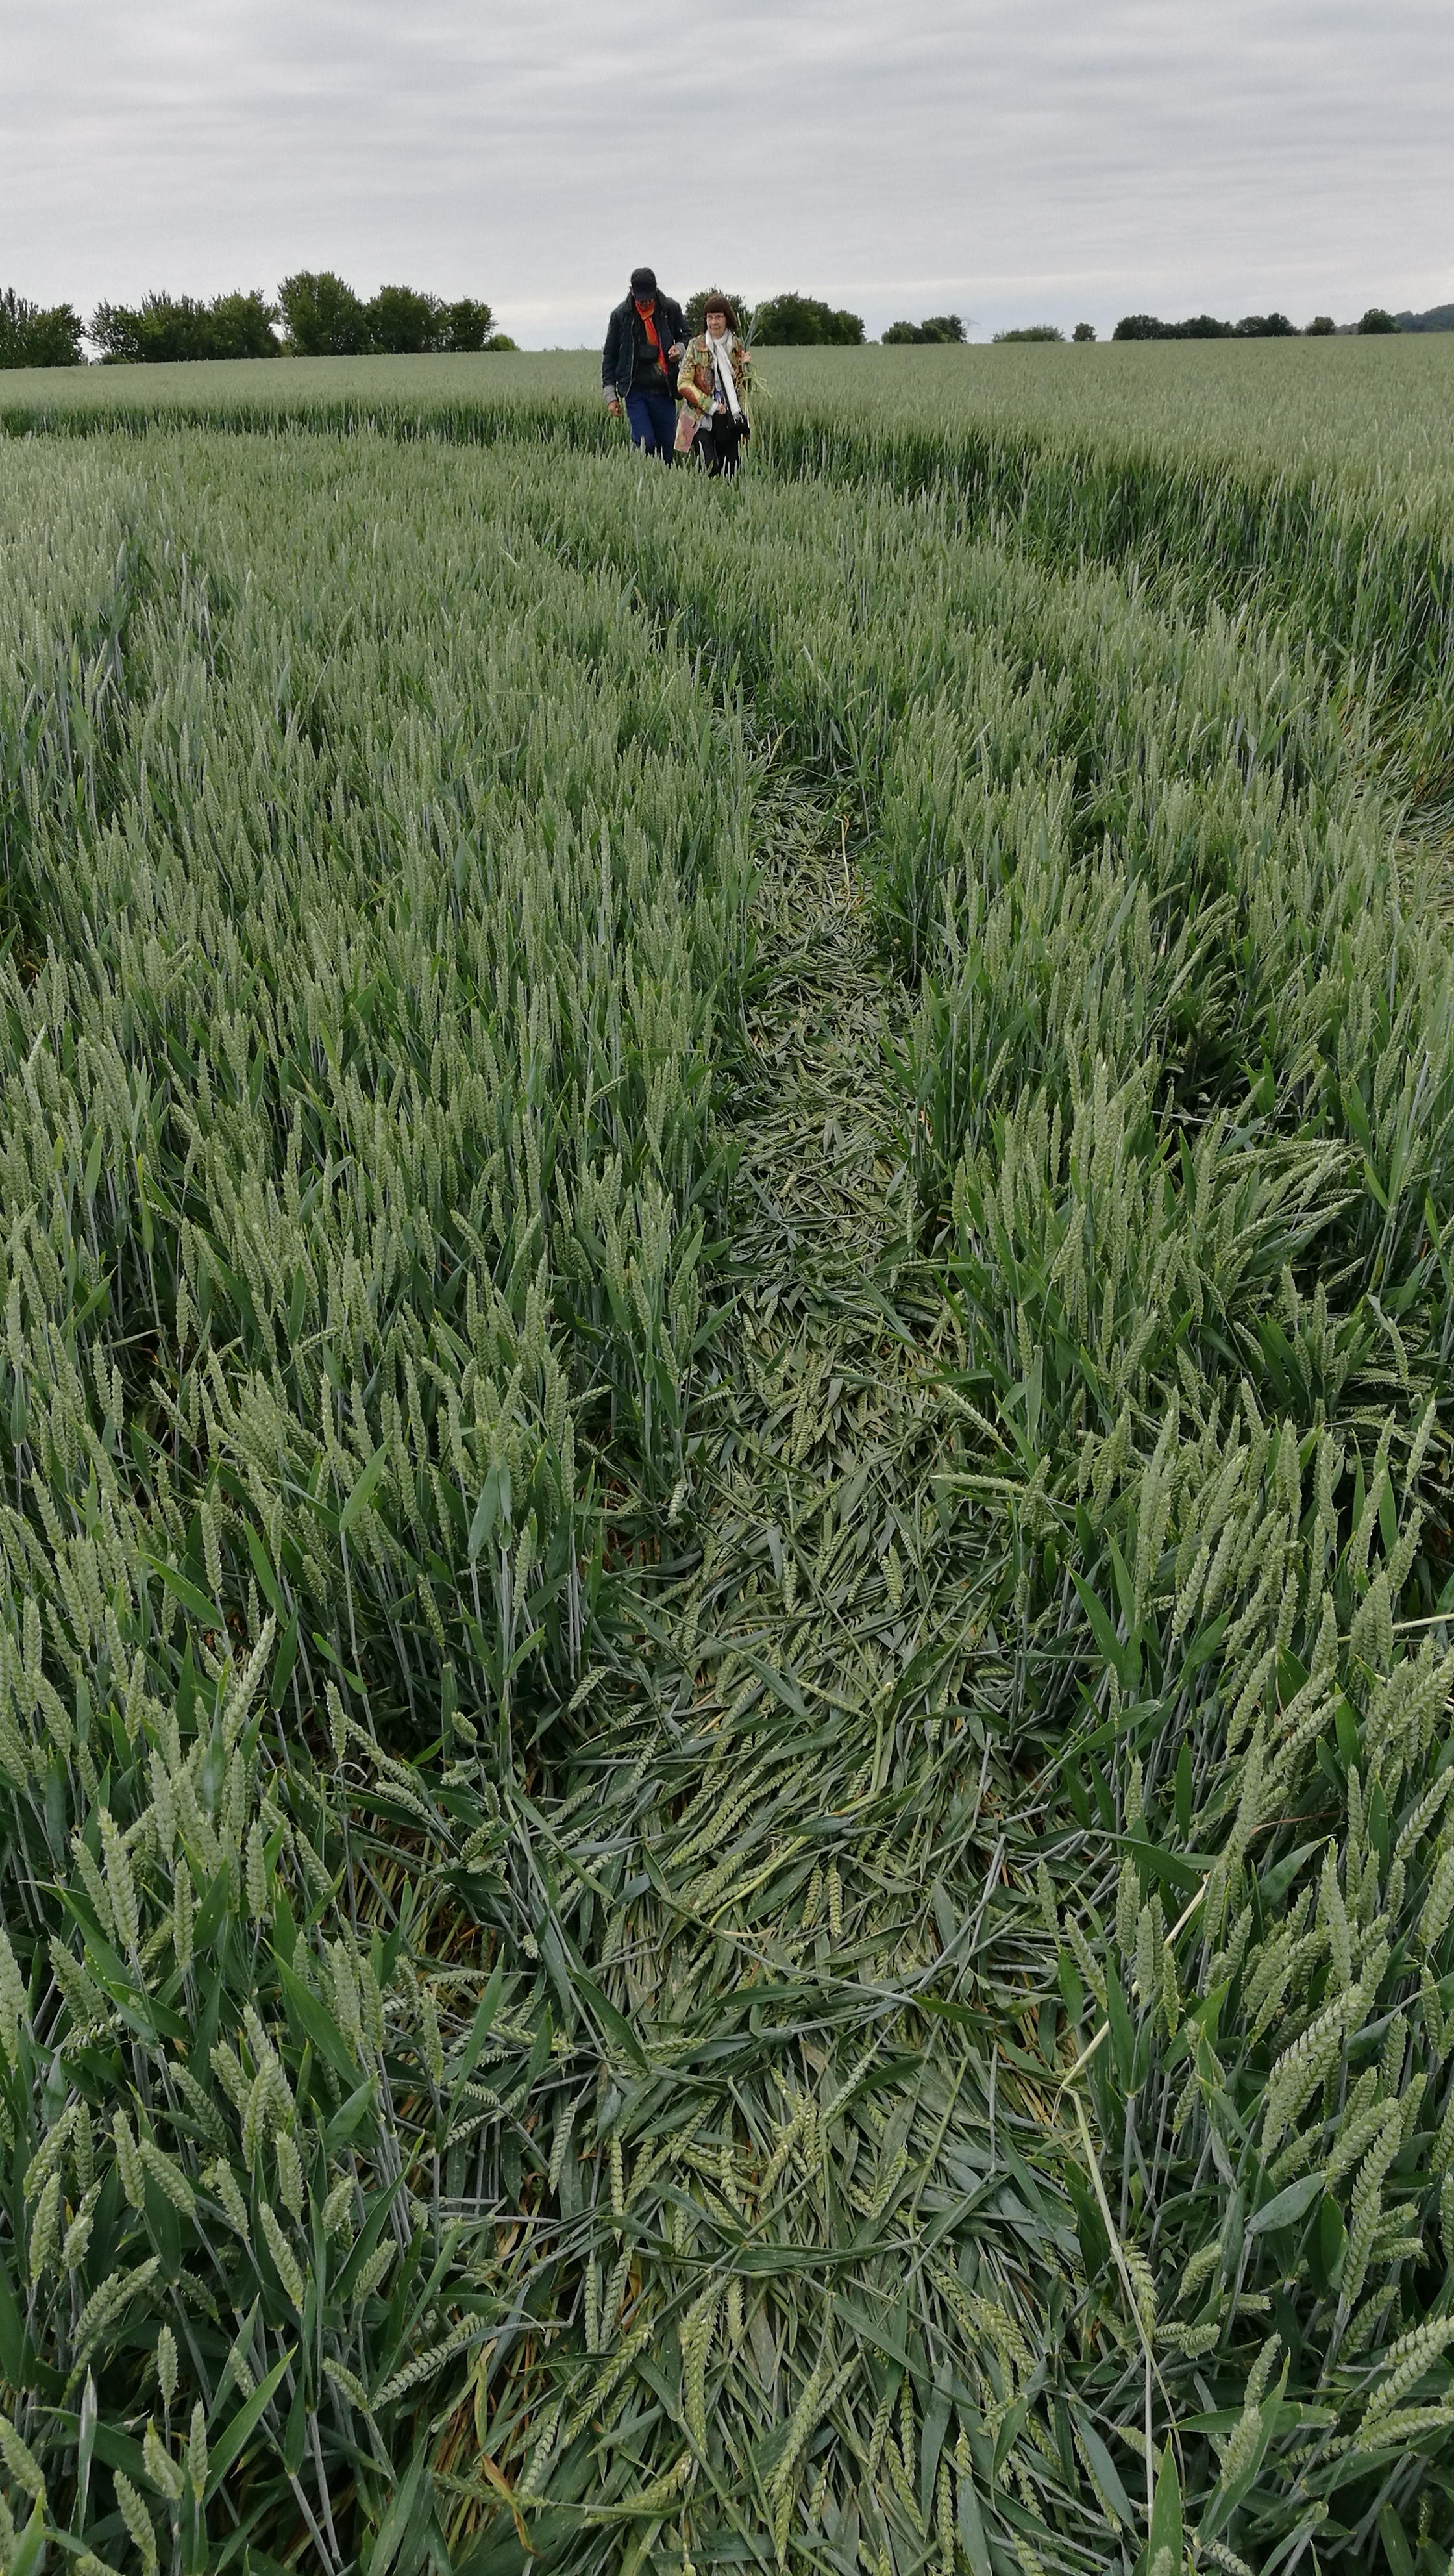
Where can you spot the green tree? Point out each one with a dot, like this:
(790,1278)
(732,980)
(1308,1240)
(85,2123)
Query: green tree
(1032,331)
(466,324)
(804,322)
(34,335)
(1375,320)
(402,323)
(325,318)
(1084,331)
(1321,327)
(1265,326)
(242,326)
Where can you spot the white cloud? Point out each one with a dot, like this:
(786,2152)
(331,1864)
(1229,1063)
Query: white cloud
(1015,159)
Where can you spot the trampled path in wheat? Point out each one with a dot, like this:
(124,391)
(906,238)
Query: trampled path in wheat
(826,1388)
(819,1837)
(814,1205)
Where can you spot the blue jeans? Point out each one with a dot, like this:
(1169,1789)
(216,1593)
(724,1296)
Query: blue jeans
(653,419)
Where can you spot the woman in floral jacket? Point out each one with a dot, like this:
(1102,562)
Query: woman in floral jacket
(713,381)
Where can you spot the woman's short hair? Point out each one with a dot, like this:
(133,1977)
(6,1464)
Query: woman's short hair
(720,304)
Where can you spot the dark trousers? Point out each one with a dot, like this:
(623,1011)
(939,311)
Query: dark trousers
(718,441)
(653,418)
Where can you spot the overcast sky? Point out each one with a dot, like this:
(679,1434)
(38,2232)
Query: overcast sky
(1012,160)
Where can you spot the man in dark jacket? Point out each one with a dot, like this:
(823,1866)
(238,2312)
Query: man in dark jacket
(645,338)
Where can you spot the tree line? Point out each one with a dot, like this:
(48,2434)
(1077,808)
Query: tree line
(320,314)
(1253,326)
(1046,331)
(316,314)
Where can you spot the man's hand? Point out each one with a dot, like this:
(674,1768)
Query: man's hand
(677,350)
(613,407)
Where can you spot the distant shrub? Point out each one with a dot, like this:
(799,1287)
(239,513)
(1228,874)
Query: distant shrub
(34,335)
(499,340)
(165,329)
(936,327)
(1145,326)
(1084,331)
(1322,327)
(1032,331)
(804,322)
(1265,326)
(1375,320)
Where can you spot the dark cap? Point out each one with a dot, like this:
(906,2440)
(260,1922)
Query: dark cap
(643,281)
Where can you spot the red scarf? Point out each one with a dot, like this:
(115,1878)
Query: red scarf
(646,312)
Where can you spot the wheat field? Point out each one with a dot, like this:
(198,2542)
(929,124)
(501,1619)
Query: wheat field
(725,1428)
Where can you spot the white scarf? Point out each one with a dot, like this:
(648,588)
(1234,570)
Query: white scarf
(722,368)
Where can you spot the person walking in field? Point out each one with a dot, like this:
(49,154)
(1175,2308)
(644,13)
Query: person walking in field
(713,380)
(645,337)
